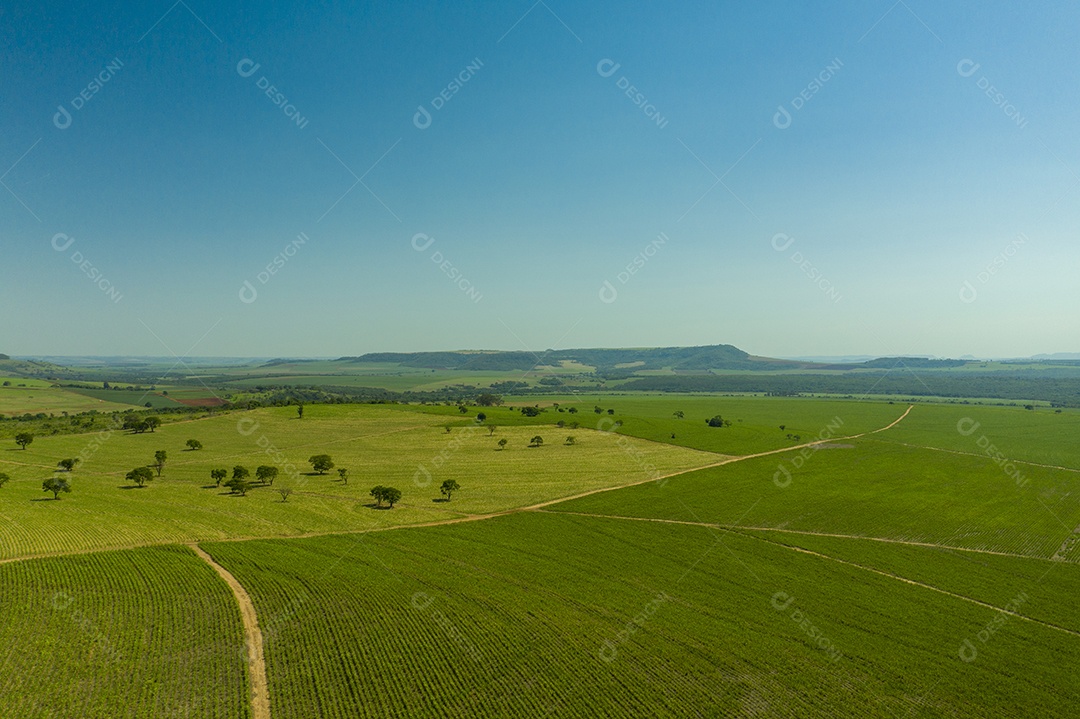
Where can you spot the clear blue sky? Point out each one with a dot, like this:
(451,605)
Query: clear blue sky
(918,142)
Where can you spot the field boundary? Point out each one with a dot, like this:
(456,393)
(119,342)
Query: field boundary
(260,695)
(735,530)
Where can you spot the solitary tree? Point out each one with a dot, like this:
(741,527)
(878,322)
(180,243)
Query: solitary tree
(480,417)
(572,410)
(299,411)
(344,474)
(449,487)
(285,492)
(68,464)
(24,438)
(240,472)
(377,492)
(447,428)
(321,463)
(152,423)
(679,414)
(716,421)
(570,440)
(266,474)
(159,460)
(140,476)
(491,429)
(194,445)
(536,441)
(502,443)
(218,474)
(611,411)
(56,485)
(391,495)
(4,479)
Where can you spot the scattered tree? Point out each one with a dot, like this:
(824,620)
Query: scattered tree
(480,417)
(344,474)
(447,428)
(570,440)
(194,445)
(783,427)
(716,421)
(159,460)
(266,474)
(239,472)
(391,495)
(502,443)
(321,463)
(449,487)
(68,464)
(530,411)
(572,410)
(140,476)
(463,409)
(598,410)
(491,429)
(611,411)
(56,485)
(536,441)
(152,423)
(299,411)
(679,414)
(24,438)
(377,493)
(239,486)
(4,479)
(489,400)
(217,475)
(285,492)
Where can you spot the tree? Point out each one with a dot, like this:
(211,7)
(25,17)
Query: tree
(56,485)
(530,411)
(536,441)
(239,486)
(391,495)
(447,428)
(679,414)
(152,423)
(68,464)
(266,474)
(239,472)
(285,492)
(598,410)
(4,479)
(449,487)
(299,411)
(783,427)
(502,443)
(491,429)
(24,438)
(194,445)
(377,493)
(140,476)
(217,475)
(321,463)
(480,417)
(463,409)
(572,410)
(716,421)
(344,474)
(159,460)
(488,399)
(570,440)
(611,411)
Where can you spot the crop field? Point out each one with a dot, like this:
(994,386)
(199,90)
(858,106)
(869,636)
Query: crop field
(131,397)
(410,451)
(148,632)
(555,615)
(900,572)
(42,397)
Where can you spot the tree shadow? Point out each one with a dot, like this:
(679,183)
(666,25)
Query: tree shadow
(211,486)
(45,499)
(440,500)
(372,505)
(131,486)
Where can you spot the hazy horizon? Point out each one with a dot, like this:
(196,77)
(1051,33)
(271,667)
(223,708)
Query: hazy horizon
(857,179)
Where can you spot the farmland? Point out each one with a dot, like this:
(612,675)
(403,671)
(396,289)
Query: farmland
(628,572)
(147,632)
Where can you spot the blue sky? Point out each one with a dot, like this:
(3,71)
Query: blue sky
(791,178)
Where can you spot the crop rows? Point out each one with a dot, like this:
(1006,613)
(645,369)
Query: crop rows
(149,632)
(522,616)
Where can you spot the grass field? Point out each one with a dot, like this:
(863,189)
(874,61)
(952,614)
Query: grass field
(148,632)
(410,451)
(16,401)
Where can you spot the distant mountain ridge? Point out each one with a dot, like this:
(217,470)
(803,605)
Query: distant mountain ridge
(703,358)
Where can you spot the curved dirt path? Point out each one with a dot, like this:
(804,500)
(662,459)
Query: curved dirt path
(260,696)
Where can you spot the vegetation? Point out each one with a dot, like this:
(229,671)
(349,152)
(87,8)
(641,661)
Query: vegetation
(390,495)
(448,487)
(321,463)
(194,445)
(159,460)
(68,464)
(24,439)
(266,474)
(56,485)
(140,476)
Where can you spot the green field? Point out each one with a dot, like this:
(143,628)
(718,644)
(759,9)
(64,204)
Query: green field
(626,574)
(41,396)
(147,632)
(521,616)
